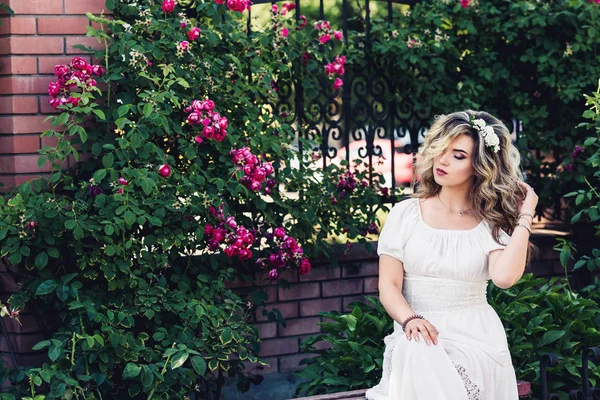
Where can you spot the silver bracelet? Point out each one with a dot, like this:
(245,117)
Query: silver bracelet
(524,226)
(525,214)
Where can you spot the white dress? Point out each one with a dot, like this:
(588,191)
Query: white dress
(445,280)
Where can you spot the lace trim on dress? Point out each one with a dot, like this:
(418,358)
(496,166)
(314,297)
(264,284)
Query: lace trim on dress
(473,391)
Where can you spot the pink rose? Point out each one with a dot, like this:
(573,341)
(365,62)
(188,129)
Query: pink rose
(464,3)
(237,5)
(302,21)
(98,70)
(123,181)
(324,39)
(274,8)
(164,170)
(338,83)
(248,169)
(268,167)
(79,63)
(74,101)
(168,6)
(219,1)
(279,232)
(184,45)
(223,123)
(245,254)
(198,139)
(193,118)
(338,35)
(60,70)
(208,132)
(304,267)
(53,88)
(260,174)
(194,33)
(120,190)
(208,105)
(183,24)
(273,274)
(220,135)
(285,32)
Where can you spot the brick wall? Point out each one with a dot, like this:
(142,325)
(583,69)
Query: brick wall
(329,288)
(40,35)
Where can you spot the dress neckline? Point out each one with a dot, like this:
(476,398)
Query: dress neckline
(418,205)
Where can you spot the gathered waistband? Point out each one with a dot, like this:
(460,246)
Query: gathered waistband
(429,294)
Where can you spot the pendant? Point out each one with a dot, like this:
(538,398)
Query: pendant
(460,214)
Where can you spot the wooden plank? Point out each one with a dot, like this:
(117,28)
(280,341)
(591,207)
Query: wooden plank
(353,395)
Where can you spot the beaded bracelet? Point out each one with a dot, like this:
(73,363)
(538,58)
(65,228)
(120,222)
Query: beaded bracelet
(407,320)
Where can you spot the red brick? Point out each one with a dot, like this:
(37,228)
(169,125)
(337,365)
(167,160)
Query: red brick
(33,45)
(238,283)
(300,326)
(37,6)
(275,347)
(83,40)
(19,105)
(19,144)
(372,284)
(21,164)
(15,180)
(350,299)
(262,369)
(355,270)
(23,124)
(47,63)
(300,291)
(292,363)
(314,307)
(288,310)
(45,107)
(83,6)
(342,287)
(17,66)
(267,330)
(65,25)
(25,84)
(321,273)
(17,26)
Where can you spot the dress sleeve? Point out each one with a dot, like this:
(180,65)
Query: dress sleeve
(392,239)
(492,245)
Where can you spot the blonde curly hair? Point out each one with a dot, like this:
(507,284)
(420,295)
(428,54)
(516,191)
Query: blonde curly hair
(495,192)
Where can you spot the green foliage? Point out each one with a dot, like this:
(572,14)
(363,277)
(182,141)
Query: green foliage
(114,253)
(525,60)
(539,317)
(349,351)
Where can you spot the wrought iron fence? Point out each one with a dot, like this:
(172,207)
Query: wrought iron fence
(370,119)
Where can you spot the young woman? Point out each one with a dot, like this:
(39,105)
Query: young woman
(468,222)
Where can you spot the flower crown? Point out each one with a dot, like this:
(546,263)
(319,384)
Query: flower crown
(490,138)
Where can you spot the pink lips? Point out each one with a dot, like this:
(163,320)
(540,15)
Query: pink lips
(441,172)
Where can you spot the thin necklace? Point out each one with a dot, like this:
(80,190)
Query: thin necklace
(460,213)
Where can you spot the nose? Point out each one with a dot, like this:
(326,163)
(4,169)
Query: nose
(444,158)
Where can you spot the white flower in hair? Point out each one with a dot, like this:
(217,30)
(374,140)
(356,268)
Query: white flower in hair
(490,138)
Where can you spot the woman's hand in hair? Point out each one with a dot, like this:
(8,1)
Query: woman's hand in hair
(531,199)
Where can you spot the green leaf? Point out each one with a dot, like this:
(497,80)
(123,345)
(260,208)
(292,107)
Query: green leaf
(78,232)
(41,161)
(54,353)
(199,365)
(99,175)
(147,109)
(53,252)
(15,258)
(110,5)
(226,336)
(178,360)
(46,287)
(131,371)
(551,337)
(41,260)
(100,114)
(129,218)
(108,160)
(41,345)
(147,377)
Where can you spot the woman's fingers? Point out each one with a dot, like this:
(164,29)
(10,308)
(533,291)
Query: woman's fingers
(433,332)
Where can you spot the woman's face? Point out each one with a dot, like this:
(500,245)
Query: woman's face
(454,167)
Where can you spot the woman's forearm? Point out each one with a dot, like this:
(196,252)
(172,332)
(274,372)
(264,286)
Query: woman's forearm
(394,302)
(508,268)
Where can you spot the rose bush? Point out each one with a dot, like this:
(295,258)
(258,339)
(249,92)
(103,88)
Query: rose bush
(188,178)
